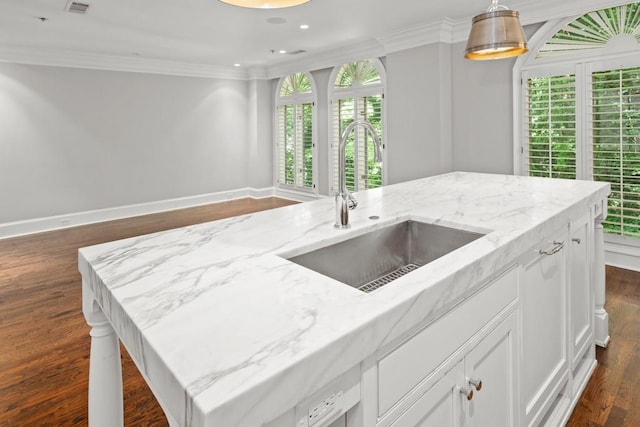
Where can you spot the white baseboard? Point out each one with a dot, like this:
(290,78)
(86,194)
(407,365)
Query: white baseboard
(38,225)
(298,196)
(622,252)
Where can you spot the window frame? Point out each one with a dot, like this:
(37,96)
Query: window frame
(336,93)
(582,64)
(298,100)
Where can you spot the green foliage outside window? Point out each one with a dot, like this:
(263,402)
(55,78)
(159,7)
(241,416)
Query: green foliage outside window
(552,127)
(296,132)
(616,146)
(368,108)
(361,170)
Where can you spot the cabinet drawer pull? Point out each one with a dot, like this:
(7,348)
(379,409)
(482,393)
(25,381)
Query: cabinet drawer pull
(557,246)
(576,240)
(467,392)
(477,383)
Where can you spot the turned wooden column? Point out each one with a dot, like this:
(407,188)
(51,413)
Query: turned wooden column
(601,315)
(105,369)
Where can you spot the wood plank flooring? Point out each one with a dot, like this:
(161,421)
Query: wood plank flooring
(612,397)
(44,341)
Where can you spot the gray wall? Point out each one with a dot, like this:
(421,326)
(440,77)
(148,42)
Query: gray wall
(259,171)
(77,140)
(418,112)
(482,114)
(482,96)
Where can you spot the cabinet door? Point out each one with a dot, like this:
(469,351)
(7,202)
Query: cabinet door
(491,366)
(544,366)
(438,407)
(580,305)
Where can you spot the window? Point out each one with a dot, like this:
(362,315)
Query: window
(551,113)
(581,109)
(357,92)
(615,129)
(295,132)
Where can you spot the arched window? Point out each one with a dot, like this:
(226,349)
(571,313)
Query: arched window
(357,92)
(579,101)
(295,124)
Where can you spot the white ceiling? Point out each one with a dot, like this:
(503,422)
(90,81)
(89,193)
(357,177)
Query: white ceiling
(206,37)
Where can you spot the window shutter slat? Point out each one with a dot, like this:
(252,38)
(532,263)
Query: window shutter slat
(615,100)
(551,126)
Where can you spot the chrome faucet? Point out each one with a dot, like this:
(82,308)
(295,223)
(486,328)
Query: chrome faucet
(344,199)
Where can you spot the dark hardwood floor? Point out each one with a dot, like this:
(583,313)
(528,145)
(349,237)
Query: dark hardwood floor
(612,397)
(44,341)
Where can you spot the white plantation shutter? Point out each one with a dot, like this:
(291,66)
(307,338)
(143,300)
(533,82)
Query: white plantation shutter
(343,112)
(581,110)
(295,144)
(360,171)
(550,110)
(357,93)
(294,133)
(282,144)
(614,126)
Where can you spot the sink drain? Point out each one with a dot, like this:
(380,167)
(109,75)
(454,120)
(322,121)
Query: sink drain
(387,278)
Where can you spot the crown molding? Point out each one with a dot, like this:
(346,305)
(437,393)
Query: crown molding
(329,58)
(418,35)
(97,61)
(445,31)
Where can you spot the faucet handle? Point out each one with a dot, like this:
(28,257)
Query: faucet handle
(351,202)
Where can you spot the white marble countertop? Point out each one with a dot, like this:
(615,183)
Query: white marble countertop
(228,332)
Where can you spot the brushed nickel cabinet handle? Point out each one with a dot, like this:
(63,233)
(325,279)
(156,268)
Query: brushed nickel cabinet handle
(557,246)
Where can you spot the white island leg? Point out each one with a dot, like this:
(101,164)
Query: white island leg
(105,369)
(601,315)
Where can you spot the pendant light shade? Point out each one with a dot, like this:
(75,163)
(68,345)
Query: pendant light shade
(265,4)
(496,34)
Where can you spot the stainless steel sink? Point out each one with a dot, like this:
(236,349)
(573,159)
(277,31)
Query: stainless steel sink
(374,259)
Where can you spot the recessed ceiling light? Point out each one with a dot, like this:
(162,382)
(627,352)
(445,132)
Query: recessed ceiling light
(304,27)
(282,51)
(276,20)
(265,4)
(236,65)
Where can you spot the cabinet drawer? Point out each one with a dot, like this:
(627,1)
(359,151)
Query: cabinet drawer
(400,371)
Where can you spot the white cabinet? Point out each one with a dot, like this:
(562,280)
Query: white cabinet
(418,382)
(493,362)
(478,391)
(440,406)
(543,310)
(528,335)
(581,326)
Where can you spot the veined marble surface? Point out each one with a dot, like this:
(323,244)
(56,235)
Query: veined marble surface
(229,333)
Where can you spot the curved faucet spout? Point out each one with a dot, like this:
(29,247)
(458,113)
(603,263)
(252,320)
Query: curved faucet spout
(344,199)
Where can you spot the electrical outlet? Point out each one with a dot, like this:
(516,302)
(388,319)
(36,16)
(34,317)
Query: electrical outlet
(321,409)
(330,402)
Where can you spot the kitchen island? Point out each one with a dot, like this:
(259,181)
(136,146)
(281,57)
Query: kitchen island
(228,332)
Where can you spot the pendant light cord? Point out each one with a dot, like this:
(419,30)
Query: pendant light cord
(495,6)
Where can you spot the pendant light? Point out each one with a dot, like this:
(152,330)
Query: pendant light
(265,4)
(497,33)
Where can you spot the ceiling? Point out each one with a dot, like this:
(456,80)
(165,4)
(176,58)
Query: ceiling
(207,37)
